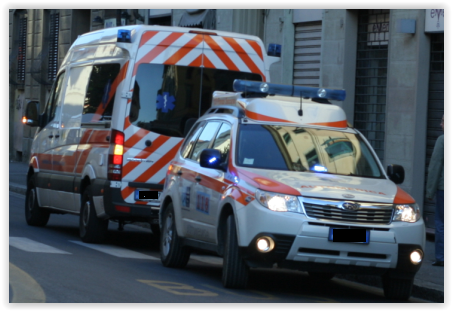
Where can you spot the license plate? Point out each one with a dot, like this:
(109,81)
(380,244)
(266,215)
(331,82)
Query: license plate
(349,235)
(147,195)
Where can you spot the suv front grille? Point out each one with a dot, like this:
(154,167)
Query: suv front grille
(381,214)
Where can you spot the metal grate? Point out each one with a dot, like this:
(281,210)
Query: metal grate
(363,215)
(22,48)
(53,45)
(371,76)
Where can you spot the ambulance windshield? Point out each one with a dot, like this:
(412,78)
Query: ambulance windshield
(305,150)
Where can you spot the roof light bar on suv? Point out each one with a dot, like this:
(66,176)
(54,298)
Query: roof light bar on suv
(264,88)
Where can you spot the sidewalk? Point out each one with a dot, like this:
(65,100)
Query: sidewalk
(428,284)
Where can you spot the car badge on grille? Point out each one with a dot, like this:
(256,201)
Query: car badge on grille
(348,196)
(351,206)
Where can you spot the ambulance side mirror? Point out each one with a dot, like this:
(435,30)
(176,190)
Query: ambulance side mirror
(210,158)
(31,116)
(396,173)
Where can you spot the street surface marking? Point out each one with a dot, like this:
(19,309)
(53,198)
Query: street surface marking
(33,246)
(116,251)
(178,288)
(24,287)
(262,295)
(208,259)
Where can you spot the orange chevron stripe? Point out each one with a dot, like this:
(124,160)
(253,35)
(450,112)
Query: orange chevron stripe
(340,124)
(157,166)
(256,47)
(197,62)
(193,43)
(146,36)
(157,143)
(220,53)
(243,55)
(158,49)
(261,117)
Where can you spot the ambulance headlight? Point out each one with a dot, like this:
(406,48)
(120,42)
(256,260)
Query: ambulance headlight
(406,212)
(278,202)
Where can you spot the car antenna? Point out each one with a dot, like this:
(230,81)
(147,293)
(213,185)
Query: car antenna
(300,112)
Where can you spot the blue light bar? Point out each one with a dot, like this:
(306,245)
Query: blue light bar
(319,168)
(287,90)
(124,36)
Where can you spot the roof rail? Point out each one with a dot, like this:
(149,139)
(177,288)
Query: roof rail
(233,110)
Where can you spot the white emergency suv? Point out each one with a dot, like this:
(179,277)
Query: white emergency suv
(117,115)
(265,179)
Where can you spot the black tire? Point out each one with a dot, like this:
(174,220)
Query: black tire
(321,276)
(92,228)
(235,270)
(172,253)
(399,289)
(34,214)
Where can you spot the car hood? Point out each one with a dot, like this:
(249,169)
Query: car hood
(325,186)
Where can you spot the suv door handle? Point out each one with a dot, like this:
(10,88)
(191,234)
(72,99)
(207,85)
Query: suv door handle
(57,136)
(51,136)
(198,178)
(179,172)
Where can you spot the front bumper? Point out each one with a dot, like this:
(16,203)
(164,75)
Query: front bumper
(309,250)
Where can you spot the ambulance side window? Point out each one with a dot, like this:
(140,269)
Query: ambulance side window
(54,100)
(100,94)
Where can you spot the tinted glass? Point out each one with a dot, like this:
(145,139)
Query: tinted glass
(223,141)
(204,139)
(100,94)
(166,96)
(305,149)
(191,139)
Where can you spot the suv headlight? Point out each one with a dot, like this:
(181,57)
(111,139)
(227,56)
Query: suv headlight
(407,212)
(278,202)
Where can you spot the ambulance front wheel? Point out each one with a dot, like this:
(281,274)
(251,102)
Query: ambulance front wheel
(34,214)
(92,228)
(235,270)
(172,253)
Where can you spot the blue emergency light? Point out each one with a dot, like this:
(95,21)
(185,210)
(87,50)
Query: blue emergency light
(265,88)
(124,36)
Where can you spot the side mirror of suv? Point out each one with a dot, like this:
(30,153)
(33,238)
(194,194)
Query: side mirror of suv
(31,116)
(396,173)
(210,158)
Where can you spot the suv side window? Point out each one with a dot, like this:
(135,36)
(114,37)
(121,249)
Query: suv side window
(205,139)
(223,141)
(191,139)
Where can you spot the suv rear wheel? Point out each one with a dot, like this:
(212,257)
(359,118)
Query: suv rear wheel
(235,270)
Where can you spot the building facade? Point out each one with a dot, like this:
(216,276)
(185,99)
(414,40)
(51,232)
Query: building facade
(390,62)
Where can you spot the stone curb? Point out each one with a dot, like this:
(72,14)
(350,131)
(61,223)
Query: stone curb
(17,189)
(421,292)
(418,291)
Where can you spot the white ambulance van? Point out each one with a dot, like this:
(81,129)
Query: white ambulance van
(273,174)
(116,117)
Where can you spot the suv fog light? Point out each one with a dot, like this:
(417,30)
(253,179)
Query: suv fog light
(416,256)
(265,244)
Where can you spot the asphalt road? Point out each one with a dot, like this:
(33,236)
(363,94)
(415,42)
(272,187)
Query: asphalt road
(52,265)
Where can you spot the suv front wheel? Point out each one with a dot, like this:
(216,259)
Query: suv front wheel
(235,270)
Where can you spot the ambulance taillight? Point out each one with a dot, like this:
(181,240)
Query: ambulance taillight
(115,155)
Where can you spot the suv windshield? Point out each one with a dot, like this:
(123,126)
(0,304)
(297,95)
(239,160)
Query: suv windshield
(305,150)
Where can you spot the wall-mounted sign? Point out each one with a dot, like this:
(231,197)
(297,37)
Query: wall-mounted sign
(434,20)
(159,12)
